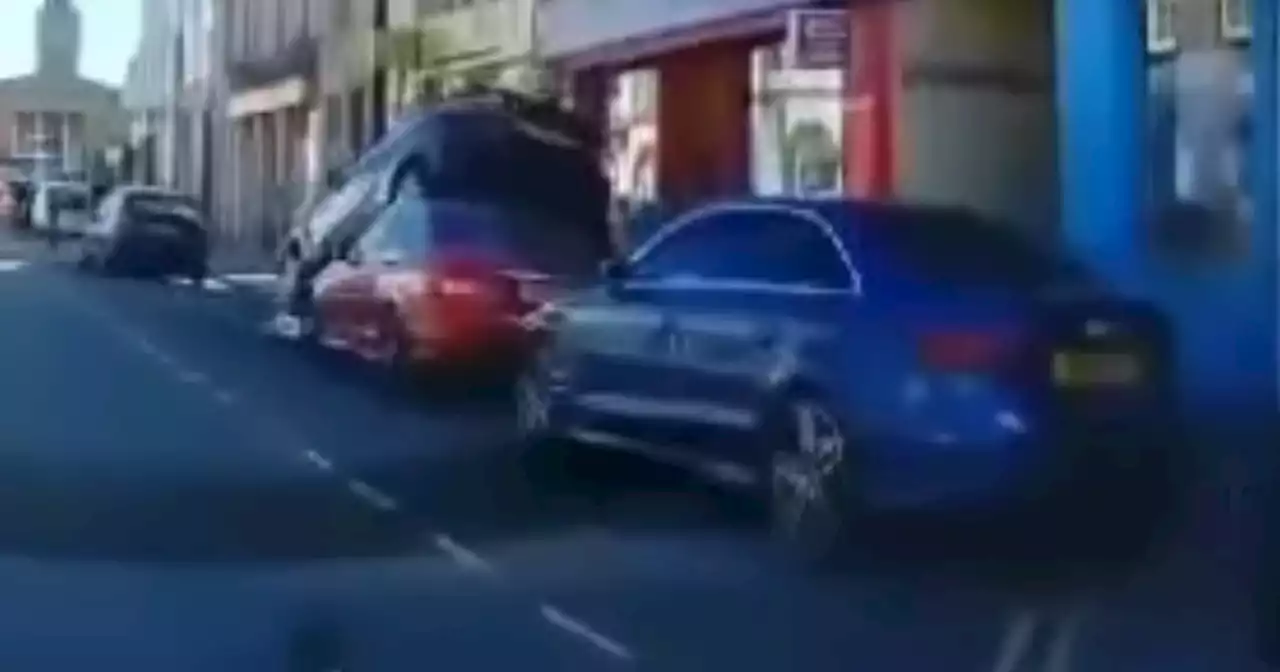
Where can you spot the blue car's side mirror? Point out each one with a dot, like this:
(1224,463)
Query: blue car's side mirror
(613,271)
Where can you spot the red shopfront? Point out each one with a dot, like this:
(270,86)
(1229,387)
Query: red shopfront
(705,93)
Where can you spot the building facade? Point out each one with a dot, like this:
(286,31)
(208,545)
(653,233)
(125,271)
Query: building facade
(706,98)
(452,45)
(1125,119)
(151,95)
(54,121)
(270,52)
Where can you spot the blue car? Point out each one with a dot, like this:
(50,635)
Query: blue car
(846,356)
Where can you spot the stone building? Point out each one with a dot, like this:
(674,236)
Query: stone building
(53,120)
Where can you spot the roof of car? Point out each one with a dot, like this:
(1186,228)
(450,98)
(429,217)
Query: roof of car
(828,204)
(152,191)
(64,184)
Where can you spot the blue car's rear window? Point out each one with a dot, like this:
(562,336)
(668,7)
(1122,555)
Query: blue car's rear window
(961,248)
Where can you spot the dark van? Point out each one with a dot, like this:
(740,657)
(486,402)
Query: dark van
(536,163)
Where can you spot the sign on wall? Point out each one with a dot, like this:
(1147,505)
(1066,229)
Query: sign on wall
(818,39)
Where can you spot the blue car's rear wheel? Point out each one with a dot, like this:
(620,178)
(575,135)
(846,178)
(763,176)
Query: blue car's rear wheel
(812,498)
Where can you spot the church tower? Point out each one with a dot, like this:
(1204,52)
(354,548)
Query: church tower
(58,39)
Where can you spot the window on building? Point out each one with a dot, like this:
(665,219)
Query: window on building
(231,29)
(286,28)
(342,18)
(633,115)
(1235,19)
(1200,115)
(1162,20)
(796,127)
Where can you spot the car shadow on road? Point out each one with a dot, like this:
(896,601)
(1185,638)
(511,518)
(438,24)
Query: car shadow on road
(494,491)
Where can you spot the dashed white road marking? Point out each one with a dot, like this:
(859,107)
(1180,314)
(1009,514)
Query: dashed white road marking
(250,278)
(375,497)
(144,345)
(319,460)
(191,377)
(9,265)
(580,629)
(1066,634)
(1017,640)
(224,397)
(462,555)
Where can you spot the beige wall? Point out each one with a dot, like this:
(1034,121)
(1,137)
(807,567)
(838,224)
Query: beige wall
(978,123)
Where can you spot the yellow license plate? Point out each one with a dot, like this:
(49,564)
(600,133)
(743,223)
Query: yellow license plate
(1089,369)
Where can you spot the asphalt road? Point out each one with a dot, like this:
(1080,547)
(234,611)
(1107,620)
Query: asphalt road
(179,492)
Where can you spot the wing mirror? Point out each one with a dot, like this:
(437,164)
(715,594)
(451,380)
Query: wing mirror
(353,255)
(614,270)
(333,178)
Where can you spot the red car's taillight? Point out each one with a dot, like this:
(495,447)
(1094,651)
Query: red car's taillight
(469,281)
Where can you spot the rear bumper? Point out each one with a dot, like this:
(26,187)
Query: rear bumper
(1081,464)
(160,257)
(495,343)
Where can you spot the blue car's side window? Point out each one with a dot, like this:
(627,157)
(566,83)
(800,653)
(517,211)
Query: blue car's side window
(683,252)
(748,245)
(782,248)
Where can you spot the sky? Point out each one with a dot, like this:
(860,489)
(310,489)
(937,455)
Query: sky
(108,34)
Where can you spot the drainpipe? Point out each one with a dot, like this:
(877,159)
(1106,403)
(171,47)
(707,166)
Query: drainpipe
(378,86)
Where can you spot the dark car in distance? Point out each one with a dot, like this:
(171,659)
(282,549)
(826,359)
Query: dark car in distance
(147,231)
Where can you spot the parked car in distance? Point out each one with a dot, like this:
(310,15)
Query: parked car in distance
(8,203)
(845,356)
(70,202)
(147,231)
(21,192)
(530,158)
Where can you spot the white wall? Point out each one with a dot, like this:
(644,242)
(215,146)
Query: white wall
(973,142)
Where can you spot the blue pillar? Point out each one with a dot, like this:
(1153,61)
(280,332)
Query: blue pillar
(1101,80)
(1224,312)
(1266,155)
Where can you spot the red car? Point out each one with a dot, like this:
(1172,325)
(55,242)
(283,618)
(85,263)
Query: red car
(445,282)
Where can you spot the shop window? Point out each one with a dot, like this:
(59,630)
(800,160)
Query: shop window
(796,127)
(1199,110)
(1162,37)
(1236,19)
(632,132)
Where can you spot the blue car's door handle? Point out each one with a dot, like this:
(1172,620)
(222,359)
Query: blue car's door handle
(669,338)
(764,338)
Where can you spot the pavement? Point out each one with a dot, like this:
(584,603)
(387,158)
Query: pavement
(180,492)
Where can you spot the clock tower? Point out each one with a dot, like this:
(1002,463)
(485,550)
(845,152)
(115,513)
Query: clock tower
(58,39)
